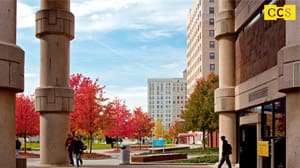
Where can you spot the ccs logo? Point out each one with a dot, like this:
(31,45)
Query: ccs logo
(287,12)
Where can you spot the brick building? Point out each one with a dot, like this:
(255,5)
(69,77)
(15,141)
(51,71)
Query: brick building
(258,100)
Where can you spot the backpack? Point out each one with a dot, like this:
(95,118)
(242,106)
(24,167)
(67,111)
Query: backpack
(84,147)
(229,148)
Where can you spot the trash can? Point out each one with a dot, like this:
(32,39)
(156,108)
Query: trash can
(125,154)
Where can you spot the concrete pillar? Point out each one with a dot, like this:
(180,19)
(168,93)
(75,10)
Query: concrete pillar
(289,83)
(54,97)
(12,81)
(224,95)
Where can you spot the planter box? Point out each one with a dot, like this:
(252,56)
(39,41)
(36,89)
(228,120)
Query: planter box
(158,157)
(156,150)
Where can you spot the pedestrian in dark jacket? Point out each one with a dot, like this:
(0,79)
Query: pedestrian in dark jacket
(18,147)
(78,147)
(226,151)
(69,146)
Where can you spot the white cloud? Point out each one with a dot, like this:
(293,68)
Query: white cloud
(25,15)
(30,75)
(171,65)
(155,34)
(103,15)
(134,96)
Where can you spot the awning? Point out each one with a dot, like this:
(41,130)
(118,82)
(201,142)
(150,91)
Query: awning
(187,134)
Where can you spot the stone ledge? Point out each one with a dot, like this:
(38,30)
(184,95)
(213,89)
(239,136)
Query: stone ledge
(224,99)
(289,68)
(12,63)
(224,24)
(58,99)
(54,21)
(160,157)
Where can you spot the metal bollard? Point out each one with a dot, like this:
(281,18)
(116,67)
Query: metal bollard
(125,154)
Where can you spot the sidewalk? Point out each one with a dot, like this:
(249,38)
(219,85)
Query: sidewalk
(114,162)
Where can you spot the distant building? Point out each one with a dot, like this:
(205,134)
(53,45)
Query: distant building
(166,98)
(202,48)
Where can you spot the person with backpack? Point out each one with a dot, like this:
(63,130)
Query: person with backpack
(78,147)
(226,151)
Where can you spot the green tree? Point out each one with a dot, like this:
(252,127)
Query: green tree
(158,129)
(199,112)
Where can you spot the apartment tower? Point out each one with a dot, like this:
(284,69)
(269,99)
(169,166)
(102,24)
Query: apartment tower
(202,49)
(166,98)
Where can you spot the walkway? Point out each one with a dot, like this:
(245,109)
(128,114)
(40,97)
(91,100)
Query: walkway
(114,162)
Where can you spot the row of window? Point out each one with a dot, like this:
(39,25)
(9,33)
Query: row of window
(175,96)
(174,102)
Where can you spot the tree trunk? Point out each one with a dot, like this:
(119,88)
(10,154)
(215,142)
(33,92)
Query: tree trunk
(25,143)
(140,143)
(91,142)
(203,140)
(117,142)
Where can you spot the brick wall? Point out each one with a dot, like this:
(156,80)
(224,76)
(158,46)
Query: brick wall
(257,47)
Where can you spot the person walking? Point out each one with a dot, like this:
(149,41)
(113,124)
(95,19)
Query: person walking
(78,147)
(226,151)
(70,146)
(82,148)
(18,147)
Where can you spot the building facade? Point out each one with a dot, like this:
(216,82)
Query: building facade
(258,99)
(202,48)
(166,99)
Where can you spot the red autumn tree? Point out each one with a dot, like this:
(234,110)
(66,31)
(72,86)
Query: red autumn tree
(88,101)
(143,124)
(27,120)
(118,120)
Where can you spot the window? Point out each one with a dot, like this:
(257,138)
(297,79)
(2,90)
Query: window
(211,21)
(212,67)
(211,44)
(211,10)
(211,33)
(212,55)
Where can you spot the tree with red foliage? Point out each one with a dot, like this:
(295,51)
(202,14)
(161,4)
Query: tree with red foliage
(118,120)
(27,120)
(143,124)
(88,104)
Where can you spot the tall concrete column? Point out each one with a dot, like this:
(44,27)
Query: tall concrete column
(12,81)
(54,97)
(289,83)
(224,95)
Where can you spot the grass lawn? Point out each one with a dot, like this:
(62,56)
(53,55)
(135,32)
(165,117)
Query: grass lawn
(203,159)
(31,145)
(200,151)
(208,155)
(36,145)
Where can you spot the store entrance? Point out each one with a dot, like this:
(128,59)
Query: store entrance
(248,147)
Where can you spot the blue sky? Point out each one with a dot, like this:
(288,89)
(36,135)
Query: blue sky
(122,42)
